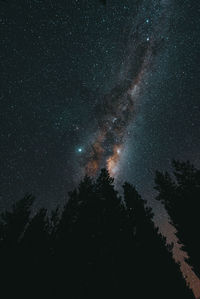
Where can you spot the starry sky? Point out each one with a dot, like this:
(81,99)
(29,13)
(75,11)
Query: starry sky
(86,85)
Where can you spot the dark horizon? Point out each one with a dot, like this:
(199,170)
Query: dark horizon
(99,243)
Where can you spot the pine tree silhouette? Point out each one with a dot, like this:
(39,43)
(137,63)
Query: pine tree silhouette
(99,246)
(12,227)
(181,198)
(35,254)
(157,275)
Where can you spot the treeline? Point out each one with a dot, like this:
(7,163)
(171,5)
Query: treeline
(102,245)
(180,194)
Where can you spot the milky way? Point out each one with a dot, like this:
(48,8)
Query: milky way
(86,85)
(116,110)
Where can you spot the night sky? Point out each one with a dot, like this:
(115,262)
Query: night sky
(86,85)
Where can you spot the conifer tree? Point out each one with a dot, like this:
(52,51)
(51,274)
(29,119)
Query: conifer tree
(100,246)
(157,275)
(181,198)
(12,227)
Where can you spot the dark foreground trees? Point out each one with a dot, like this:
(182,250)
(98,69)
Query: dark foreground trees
(180,195)
(101,246)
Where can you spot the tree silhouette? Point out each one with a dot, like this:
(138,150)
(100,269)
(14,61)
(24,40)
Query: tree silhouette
(35,254)
(100,245)
(181,198)
(13,222)
(154,266)
(12,227)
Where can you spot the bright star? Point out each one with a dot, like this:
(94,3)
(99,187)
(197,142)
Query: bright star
(147,20)
(148,39)
(80,150)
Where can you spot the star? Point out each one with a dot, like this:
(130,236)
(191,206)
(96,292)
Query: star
(118,151)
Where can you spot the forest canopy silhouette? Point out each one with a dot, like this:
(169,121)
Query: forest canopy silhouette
(101,244)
